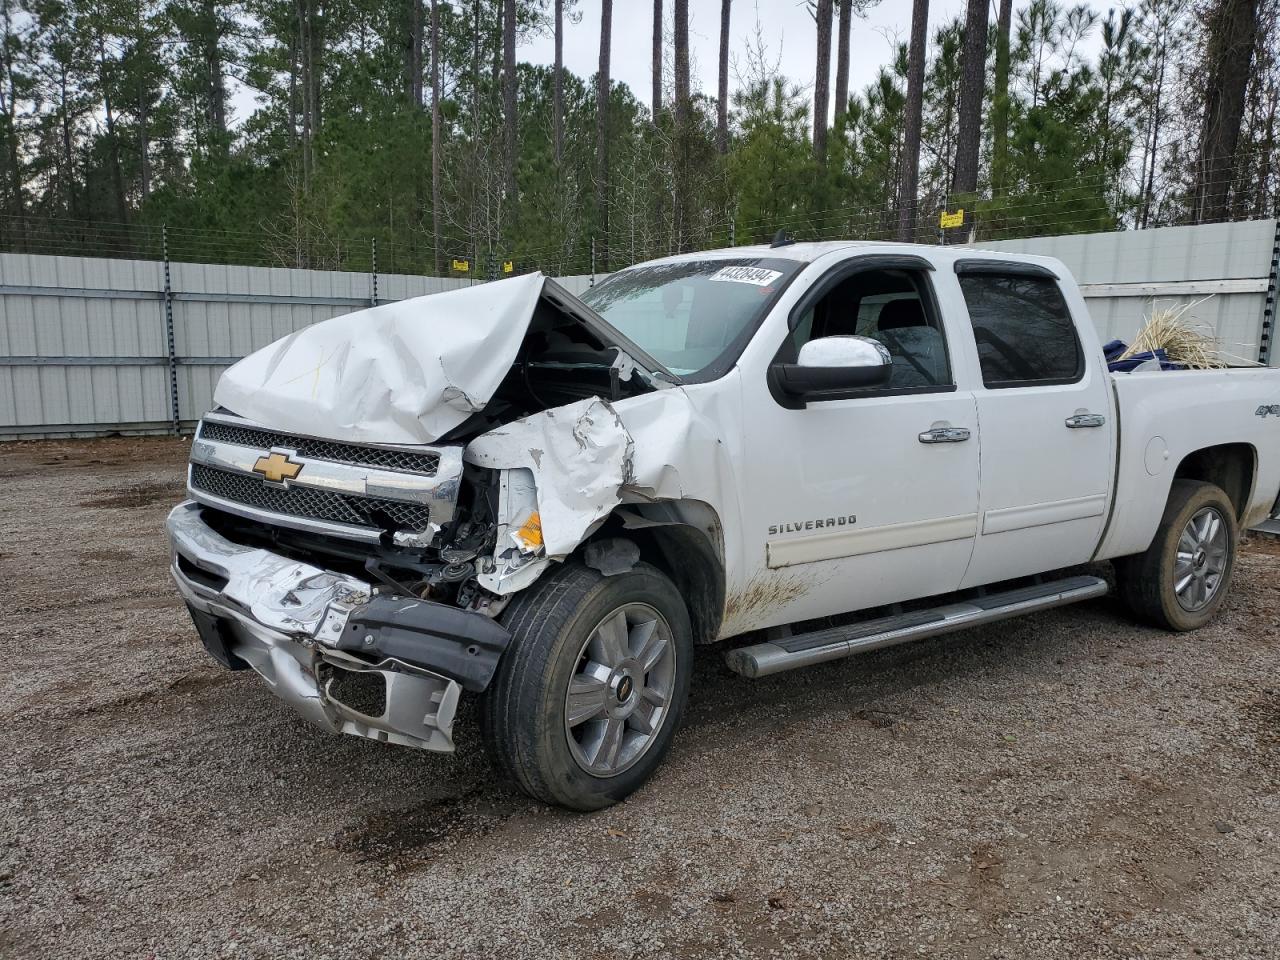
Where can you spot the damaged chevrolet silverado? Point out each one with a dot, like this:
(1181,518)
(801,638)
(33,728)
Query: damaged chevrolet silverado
(544,502)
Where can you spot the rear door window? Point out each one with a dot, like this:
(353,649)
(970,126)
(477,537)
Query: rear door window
(1023,329)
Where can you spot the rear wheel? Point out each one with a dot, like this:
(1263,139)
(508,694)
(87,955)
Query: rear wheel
(1183,578)
(590,692)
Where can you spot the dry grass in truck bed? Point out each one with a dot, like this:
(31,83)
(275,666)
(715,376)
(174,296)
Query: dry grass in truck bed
(1066,786)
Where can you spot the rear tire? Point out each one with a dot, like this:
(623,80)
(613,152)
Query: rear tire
(588,696)
(1183,577)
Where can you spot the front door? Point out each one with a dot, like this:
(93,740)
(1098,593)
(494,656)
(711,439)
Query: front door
(867,500)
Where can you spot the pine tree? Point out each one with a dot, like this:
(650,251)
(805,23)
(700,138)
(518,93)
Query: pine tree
(722,102)
(1232,31)
(971,89)
(509,93)
(602,133)
(842,58)
(1000,100)
(655,99)
(914,121)
(822,12)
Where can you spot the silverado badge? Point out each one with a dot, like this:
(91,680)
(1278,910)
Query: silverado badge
(277,468)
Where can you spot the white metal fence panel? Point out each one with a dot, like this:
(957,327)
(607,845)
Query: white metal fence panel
(84,341)
(1229,267)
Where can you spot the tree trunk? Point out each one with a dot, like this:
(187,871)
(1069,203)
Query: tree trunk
(16,205)
(973,63)
(602,135)
(475,67)
(495,87)
(144,140)
(217,81)
(1149,186)
(509,93)
(302,8)
(1268,140)
(682,60)
(822,81)
(557,96)
(681,186)
(1232,32)
(413,58)
(315,57)
(656,98)
(109,115)
(842,59)
(912,122)
(1000,103)
(68,158)
(295,68)
(722,108)
(435,137)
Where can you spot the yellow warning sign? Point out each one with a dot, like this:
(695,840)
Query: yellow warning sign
(461,266)
(508,266)
(948,220)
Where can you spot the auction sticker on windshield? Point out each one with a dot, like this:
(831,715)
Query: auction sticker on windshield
(757,276)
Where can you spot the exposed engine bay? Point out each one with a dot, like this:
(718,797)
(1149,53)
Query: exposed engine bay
(492,525)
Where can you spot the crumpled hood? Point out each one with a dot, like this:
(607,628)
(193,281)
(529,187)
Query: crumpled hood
(405,372)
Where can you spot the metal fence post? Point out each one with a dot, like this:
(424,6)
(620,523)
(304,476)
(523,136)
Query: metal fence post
(1269,307)
(373,271)
(168,332)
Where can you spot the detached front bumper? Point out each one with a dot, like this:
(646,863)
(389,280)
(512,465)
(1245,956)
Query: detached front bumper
(349,660)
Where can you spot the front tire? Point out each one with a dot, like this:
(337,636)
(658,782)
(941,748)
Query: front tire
(1182,579)
(589,694)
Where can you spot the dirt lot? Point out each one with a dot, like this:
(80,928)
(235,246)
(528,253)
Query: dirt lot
(1063,786)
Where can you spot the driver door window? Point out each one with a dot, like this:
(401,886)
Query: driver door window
(893,307)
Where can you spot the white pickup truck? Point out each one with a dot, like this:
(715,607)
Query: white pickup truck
(803,450)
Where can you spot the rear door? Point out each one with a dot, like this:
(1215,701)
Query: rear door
(1046,441)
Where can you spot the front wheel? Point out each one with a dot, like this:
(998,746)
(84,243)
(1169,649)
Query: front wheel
(589,694)
(1182,579)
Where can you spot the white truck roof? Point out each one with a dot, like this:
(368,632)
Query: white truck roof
(807,252)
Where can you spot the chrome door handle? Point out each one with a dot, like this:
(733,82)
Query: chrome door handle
(1086,420)
(945,435)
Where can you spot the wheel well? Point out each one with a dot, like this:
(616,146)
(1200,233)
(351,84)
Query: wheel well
(682,539)
(1230,466)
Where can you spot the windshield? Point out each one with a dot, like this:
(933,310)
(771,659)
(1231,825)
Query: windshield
(692,314)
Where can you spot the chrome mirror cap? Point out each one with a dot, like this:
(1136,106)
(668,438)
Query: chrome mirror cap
(844,351)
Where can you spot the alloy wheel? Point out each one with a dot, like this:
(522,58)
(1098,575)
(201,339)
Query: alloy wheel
(621,689)
(1200,560)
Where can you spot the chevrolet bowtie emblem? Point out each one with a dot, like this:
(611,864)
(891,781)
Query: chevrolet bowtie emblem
(277,468)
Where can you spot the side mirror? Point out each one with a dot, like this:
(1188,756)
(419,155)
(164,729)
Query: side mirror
(834,364)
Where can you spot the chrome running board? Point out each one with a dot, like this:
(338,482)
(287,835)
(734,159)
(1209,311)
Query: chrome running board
(834,643)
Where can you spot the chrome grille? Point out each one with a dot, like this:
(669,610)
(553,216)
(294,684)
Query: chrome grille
(379,458)
(309,502)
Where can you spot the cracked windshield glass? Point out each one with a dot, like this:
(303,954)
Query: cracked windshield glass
(690,315)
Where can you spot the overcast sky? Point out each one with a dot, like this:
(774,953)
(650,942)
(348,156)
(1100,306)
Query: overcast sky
(787,27)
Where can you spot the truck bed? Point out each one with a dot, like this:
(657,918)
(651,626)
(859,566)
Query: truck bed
(1166,415)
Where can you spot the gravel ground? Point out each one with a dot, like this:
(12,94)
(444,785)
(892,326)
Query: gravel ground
(1067,785)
